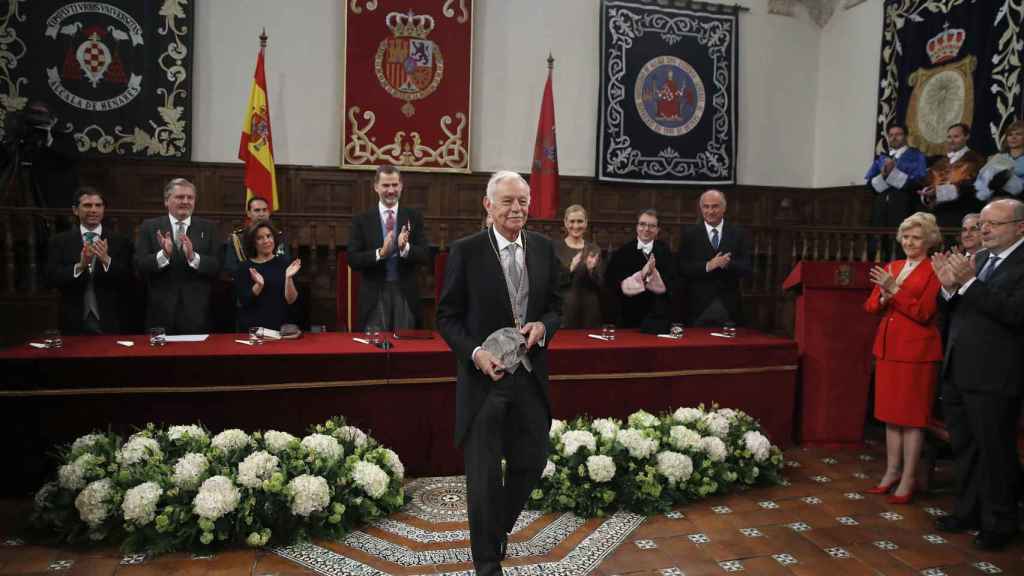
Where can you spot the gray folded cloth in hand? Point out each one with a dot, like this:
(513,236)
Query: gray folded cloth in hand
(508,345)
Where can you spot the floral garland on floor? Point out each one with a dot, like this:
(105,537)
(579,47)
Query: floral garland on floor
(179,489)
(598,466)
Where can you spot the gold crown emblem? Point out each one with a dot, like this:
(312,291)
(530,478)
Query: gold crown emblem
(409,24)
(945,45)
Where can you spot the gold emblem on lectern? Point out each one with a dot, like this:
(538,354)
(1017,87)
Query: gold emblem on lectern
(844,275)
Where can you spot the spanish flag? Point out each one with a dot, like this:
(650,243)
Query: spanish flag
(257,147)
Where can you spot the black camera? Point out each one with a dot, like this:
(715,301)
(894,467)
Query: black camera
(29,127)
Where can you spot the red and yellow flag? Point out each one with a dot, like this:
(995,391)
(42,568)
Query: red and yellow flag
(256,148)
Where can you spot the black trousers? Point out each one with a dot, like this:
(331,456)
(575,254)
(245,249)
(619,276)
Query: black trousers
(513,424)
(983,434)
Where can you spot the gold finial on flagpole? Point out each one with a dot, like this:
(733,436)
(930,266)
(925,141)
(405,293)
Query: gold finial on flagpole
(263,39)
(551,61)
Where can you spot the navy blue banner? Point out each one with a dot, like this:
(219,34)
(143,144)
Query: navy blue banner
(667,111)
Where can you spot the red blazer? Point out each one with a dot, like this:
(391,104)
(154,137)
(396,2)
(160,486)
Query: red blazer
(909,329)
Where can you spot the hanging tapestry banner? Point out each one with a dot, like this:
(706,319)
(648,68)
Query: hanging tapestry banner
(407,84)
(667,111)
(115,75)
(945,62)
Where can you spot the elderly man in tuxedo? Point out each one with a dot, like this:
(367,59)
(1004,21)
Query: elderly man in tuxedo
(178,256)
(982,373)
(498,278)
(90,265)
(713,256)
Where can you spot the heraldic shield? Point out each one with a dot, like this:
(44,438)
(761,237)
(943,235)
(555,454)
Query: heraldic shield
(941,97)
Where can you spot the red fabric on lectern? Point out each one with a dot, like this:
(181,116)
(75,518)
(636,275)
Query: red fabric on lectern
(347,294)
(834,336)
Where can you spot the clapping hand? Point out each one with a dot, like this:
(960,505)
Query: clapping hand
(650,267)
(888,166)
(86,257)
(403,236)
(99,249)
(593,259)
(963,267)
(293,268)
(575,261)
(166,242)
(186,245)
(885,281)
(257,281)
(927,195)
(721,260)
(389,245)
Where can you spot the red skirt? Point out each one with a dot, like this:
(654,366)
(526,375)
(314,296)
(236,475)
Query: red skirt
(904,392)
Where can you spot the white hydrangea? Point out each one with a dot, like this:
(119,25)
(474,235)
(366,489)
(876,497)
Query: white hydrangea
(256,468)
(393,462)
(189,470)
(278,441)
(139,503)
(714,447)
(42,497)
(643,419)
(217,497)
(72,476)
(687,415)
(139,448)
(573,440)
(549,470)
(682,438)
(351,434)
(758,445)
(371,478)
(606,428)
(233,439)
(83,443)
(638,445)
(729,414)
(557,428)
(309,494)
(324,446)
(600,468)
(674,466)
(93,502)
(716,424)
(191,431)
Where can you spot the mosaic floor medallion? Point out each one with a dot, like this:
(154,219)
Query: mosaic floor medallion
(430,536)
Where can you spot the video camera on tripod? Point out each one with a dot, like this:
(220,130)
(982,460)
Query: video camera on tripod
(30,129)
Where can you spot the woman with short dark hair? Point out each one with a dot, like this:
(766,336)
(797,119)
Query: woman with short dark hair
(265,283)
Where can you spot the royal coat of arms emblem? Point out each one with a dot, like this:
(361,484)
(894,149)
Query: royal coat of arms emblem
(943,95)
(409,66)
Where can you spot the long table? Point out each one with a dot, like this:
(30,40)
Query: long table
(404,396)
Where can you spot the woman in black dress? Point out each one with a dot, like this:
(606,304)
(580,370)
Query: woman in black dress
(580,281)
(265,283)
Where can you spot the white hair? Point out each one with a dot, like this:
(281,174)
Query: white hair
(176,182)
(499,177)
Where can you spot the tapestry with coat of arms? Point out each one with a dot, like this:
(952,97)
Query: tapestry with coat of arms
(407,84)
(116,75)
(667,107)
(945,62)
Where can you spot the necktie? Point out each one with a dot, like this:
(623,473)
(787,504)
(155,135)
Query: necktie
(91,304)
(389,222)
(989,267)
(714,238)
(515,273)
(179,233)
(90,237)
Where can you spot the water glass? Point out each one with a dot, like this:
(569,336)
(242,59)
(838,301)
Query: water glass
(52,339)
(319,328)
(676,330)
(157,336)
(373,334)
(255,336)
(608,332)
(729,329)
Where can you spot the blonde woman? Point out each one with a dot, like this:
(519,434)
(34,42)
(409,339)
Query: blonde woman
(1002,174)
(581,272)
(907,350)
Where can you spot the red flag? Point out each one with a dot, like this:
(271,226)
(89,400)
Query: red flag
(544,176)
(256,147)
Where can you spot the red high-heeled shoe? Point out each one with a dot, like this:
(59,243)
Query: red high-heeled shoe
(905,499)
(880,489)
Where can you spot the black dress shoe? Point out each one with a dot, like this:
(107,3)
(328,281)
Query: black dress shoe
(992,540)
(487,568)
(954,524)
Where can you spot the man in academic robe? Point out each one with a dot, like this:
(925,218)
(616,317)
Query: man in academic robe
(639,278)
(894,178)
(949,185)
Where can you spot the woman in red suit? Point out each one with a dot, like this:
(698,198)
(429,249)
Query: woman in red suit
(907,349)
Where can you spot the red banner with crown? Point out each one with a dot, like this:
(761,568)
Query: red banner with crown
(407,84)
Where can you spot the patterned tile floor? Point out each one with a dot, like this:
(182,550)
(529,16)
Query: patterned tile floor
(820,523)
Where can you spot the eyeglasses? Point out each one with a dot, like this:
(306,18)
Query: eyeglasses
(646,225)
(993,223)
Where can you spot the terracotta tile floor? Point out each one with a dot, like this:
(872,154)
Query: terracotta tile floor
(820,523)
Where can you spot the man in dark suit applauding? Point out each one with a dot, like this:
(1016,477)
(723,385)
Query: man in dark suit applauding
(501,277)
(89,265)
(177,256)
(386,245)
(713,256)
(982,372)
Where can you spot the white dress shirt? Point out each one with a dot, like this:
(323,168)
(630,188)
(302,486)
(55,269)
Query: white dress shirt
(383,210)
(99,234)
(162,260)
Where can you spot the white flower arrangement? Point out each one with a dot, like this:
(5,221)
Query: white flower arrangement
(682,438)
(72,476)
(277,442)
(394,463)
(687,415)
(371,478)
(139,448)
(84,443)
(351,434)
(714,447)
(637,443)
(729,414)
(758,445)
(606,428)
(217,496)
(675,467)
(256,468)
(573,440)
(189,470)
(93,502)
(557,428)
(601,468)
(43,495)
(176,433)
(231,440)
(549,470)
(324,446)
(642,419)
(309,494)
(716,424)
(139,504)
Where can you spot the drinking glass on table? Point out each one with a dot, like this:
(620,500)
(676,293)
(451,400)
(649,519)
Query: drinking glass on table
(676,330)
(157,336)
(608,332)
(52,339)
(255,336)
(729,329)
(373,334)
